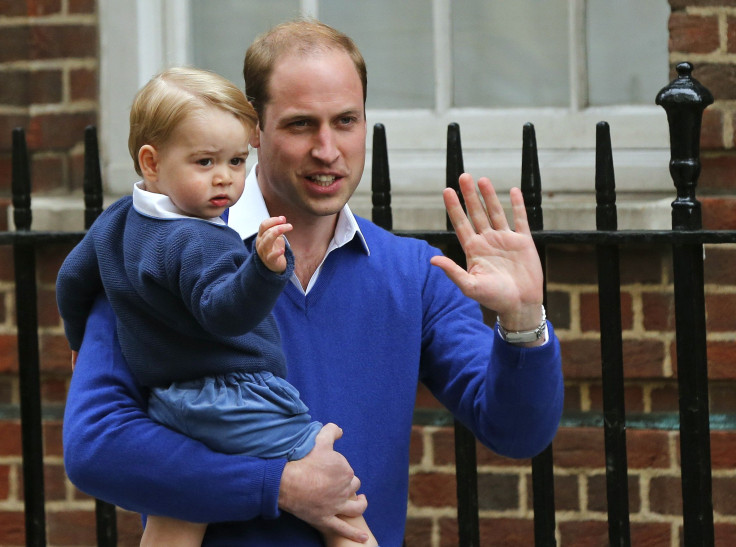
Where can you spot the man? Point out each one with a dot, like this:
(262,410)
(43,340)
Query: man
(367,316)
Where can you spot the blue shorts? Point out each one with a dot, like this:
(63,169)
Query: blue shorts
(257,414)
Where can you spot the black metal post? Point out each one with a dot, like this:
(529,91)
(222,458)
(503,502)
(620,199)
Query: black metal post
(684,100)
(612,373)
(24,256)
(380,180)
(466,465)
(106,518)
(543,482)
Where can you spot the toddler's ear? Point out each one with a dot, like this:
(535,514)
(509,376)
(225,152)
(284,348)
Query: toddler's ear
(148,161)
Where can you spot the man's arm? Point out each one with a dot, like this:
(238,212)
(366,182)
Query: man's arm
(115,452)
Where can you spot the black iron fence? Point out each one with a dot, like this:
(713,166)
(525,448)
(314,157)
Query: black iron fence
(684,101)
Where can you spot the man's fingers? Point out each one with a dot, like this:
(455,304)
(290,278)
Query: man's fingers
(328,435)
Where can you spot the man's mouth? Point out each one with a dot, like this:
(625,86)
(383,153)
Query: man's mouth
(323,180)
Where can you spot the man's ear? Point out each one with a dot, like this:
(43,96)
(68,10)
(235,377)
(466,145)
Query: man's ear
(148,161)
(255,137)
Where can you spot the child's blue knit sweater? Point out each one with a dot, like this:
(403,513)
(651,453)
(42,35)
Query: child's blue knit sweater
(373,326)
(192,301)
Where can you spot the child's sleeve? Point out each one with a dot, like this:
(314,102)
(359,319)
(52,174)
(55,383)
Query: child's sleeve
(115,452)
(77,285)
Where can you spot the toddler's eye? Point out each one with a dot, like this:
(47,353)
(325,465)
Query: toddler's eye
(205,162)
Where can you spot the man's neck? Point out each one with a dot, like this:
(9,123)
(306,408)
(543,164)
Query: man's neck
(309,242)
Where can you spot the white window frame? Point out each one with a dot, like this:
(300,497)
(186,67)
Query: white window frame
(137,43)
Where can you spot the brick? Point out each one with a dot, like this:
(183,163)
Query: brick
(8,122)
(48,312)
(418,532)
(54,131)
(55,353)
(498,492)
(652,534)
(432,490)
(22,88)
(722,398)
(54,388)
(693,33)
(54,483)
(573,397)
(496,531)
(665,399)
(7,390)
(566,493)
(571,266)
(720,312)
(8,353)
(10,438)
(62,41)
(719,213)
(558,309)
(7,272)
(12,8)
(49,259)
(719,265)
(643,358)
(724,495)
(633,398)
(725,534)
(659,311)
(711,132)
(598,496)
(48,172)
(14,43)
(83,84)
(12,528)
(721,358)
(583,533)
(579,447)
(731,34)
(37,8)
(82,6)
(425,399)
(52,439)
(643,264)
(590,314)
(416,446)
(4,482)
(723,449)
(581,358)
(71,528)
(647,449)
(682,4)
(665,495)
(719,78)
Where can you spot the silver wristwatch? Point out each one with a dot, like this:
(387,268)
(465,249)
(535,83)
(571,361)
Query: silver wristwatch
(524,336)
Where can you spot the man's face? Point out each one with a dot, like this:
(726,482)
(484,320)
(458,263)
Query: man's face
(311,149)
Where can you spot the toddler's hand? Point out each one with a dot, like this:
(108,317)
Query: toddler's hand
(270,246)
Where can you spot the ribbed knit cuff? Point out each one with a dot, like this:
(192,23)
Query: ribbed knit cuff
(271,484)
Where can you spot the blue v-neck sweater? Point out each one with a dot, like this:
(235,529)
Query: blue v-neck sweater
(357,344)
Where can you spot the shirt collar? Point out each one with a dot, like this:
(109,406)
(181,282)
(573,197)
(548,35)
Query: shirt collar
(250,210)
(160,206)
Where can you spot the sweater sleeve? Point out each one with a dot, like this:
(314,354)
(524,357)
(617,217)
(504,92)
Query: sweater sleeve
(510,397)
(228,289)
(77,285)
(115,452)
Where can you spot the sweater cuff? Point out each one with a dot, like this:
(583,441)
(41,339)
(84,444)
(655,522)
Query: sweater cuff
(271,485)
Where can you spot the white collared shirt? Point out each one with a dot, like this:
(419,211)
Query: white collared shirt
(247,214)
(155,205)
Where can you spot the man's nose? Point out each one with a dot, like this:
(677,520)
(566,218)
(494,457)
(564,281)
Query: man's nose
(325,146)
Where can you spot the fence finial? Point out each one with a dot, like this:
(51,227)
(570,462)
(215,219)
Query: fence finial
(21,181)
(381,180)
(684,100)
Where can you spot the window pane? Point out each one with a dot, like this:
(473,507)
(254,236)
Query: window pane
(509,54)
(627,50)
(396,40)
(221,36)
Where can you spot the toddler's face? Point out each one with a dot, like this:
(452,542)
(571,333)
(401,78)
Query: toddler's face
(202,165)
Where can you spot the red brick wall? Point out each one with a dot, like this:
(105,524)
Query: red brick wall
(48,72)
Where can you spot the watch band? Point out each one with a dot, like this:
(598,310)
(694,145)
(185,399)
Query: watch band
(524,336)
